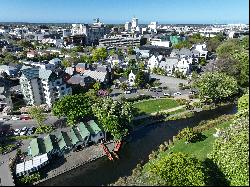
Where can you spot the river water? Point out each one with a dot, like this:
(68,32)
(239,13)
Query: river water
(143,141)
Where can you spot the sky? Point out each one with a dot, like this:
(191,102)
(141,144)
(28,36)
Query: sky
(120,11)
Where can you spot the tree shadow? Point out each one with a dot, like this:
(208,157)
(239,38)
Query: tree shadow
(215,176)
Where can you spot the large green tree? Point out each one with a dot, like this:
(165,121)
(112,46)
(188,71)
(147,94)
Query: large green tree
(100,54)
(114,116)
(141,79)
(37,113)
(216,87)
(74,107)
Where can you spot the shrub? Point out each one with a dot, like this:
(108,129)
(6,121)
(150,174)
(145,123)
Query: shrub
(243,102)
(231,152)
(189,135)
(181,101)
(29,179)
(176,169)
(44,129)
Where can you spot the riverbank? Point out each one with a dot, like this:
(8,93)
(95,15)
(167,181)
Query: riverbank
(143,141)
(75,159)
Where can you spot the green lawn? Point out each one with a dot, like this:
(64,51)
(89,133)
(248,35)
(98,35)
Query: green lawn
(198,149)
(151,106)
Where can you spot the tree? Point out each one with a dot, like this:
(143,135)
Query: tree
(231,152)
(86,59)
(176,169)
(36,113)
(66,63)
(100,54)
(114,116)
(124,86)
(202,61)
(112,52)
(216,86)
(141,79)
(130,51)
(74,107)
(97,86)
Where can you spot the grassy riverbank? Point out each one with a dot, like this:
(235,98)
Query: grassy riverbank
(151,106)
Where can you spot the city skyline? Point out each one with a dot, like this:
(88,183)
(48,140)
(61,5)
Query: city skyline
(119,12)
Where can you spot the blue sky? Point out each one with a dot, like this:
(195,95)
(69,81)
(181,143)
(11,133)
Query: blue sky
(120,11)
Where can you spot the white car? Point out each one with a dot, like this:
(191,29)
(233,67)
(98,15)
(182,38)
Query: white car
(127,92)
(166,94)
(177,93)
(23,131)
(17,132)
(15,118)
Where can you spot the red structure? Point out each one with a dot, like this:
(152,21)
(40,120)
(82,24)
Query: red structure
(107,151)
(117,146)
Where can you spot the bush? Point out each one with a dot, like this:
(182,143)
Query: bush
(182,101)
(189,135)
(138,98)
(176,169)
(44,129)
(243,102)
(231,152)
(29,179)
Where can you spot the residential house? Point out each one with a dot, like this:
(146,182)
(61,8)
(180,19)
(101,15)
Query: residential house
(184,65)
(202,49)
(81,67)
(115,60)
(169,64)
(154,61)
(31,54)
(82,80)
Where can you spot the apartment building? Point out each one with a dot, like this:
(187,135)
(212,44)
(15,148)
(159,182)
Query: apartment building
(120,40)
(41,86)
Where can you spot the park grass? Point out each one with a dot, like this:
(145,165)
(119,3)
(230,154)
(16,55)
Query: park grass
(198,149)
(151,106)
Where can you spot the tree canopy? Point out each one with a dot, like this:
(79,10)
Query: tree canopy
(216,86)
(115,116)
(74,107)
(100,54)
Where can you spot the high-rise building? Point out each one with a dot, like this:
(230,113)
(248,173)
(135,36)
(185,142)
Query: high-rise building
(134,22)
(128,26)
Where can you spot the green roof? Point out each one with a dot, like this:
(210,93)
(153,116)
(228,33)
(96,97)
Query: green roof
(37,147)
(48,143)
(93,127)
(73,136)
(84,132)
(63,140)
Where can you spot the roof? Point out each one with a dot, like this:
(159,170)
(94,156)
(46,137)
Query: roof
(63,140)
(100,76)
(93,127)
(48,143)
(30,73)
(84,132)
(72,135)
(37,146)
(44,74)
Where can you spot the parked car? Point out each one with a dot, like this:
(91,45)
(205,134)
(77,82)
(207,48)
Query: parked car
(25,117)
(15,118)
(177,93)
(17,132)
(127,92)
(166,94)
(31,130)
(23,131)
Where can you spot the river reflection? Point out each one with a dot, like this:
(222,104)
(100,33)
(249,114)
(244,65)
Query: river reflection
(143,141)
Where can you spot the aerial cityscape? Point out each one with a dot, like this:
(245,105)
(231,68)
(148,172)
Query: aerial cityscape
(124,93)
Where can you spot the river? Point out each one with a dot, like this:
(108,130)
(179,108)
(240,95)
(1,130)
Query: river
(143,141)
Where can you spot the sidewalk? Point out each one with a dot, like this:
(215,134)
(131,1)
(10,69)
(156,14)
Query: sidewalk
(5,173)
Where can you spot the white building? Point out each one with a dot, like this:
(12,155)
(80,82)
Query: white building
(41,86)
(160,42)
(131,78)
(128,26)
(134,23)
(154,61)
(184,65)
(152,27)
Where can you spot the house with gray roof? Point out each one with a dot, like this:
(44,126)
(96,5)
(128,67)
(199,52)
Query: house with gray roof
(169,64)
